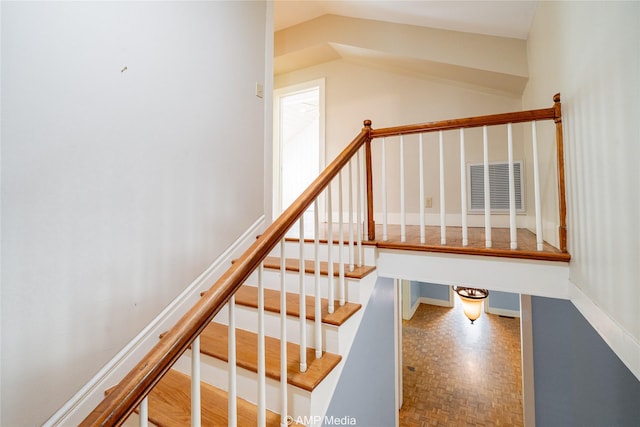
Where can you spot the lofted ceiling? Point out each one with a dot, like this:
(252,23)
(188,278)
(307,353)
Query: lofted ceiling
(496,18)
(424,38)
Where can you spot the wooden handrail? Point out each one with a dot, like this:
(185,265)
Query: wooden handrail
(133,388)
(468,122)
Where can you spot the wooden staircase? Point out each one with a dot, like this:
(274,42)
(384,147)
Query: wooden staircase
(169,402)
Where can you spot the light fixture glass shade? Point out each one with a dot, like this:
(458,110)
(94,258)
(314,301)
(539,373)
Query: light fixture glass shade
(472,300)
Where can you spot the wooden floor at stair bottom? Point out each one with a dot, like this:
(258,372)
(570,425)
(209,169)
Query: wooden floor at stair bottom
(214,343)
(248,296)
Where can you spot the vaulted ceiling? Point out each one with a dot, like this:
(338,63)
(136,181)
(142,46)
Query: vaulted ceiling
(475,43)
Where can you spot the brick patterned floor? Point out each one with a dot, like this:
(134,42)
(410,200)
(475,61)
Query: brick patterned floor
(459,374)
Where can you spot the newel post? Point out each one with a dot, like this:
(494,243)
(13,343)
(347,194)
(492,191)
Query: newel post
(562,203)
(371,226)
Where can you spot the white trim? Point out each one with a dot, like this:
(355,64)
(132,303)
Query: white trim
(76,408)
(617,338)
(412,310)
(407,309)
(454,219)
(526,345)
(397,320)
(434,301)
(501,311)
(542,278)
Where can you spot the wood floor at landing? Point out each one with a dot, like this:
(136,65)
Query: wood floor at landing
(459,374)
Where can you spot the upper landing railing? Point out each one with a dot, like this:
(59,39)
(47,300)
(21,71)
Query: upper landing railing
(553,113)
(353,195)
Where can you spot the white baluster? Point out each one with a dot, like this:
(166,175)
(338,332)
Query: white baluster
(512,190)
(536,187)
(443,215)
(195,383)
(341,280)
(463,191)
(283,337)
(318,295)
(143,421)
(487,190)
(262,387)
(303,301)
(351,246)
(403,225)
(232,393)
(420,163)
(383,174)
(330,280)
(359,210)
(363,193)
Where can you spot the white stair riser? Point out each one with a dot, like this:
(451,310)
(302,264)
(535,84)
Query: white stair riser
(292,250)
(271,280)
(247,319)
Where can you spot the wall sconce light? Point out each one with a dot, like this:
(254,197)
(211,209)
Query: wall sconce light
(472,299)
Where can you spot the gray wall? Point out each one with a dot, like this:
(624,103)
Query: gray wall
(504,300)
(434,291)
(366,389)
(579,381)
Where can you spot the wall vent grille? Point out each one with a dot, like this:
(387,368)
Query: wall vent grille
(498,187)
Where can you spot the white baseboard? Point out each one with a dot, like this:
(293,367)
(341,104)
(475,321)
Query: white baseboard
(433,301)
(621,341)
(502,311)
(76,408)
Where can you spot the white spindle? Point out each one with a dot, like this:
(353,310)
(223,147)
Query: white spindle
(195,383)
(303,301)
(463,191)
(512,190)
(262,387)
(318,296)
(403,225)
(351,246)
(536,187)
(283,337)
(363,192)
(341,280)
(330,280)
(383,175)
(420,163)
(443,215)
(232,391)
(144,413)
(359,209)
(487,190)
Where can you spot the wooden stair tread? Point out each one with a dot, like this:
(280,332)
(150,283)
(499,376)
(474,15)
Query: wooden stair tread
(293,264)
(214,343)
(170,404)
(248,296)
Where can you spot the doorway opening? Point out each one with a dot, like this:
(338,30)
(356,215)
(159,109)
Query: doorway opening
(298,144)
(456,372)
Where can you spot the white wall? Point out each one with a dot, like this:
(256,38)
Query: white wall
(119,187)
(590,51)
(355,92)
